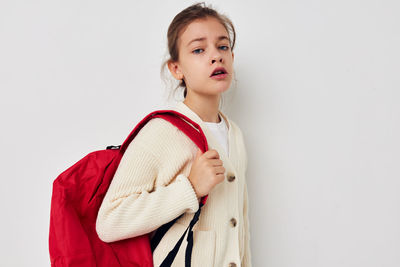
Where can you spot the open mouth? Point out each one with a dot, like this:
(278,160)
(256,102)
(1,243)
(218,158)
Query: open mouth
(219,72)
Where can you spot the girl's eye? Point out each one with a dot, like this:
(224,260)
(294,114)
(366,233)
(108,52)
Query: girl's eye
(194,51)
(224,48)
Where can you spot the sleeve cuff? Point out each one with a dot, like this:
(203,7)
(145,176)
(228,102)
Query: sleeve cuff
(189,194)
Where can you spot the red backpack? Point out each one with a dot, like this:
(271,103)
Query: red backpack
(76,198)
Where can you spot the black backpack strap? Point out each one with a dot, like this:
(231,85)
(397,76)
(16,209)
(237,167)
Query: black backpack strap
(189,247)
(160,232)
(188,254)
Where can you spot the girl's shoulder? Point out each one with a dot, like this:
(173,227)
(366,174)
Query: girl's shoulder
(156,128)
(237,132)
(152,130)
(236,129)
(161,136)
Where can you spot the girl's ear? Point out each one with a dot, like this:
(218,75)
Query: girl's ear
(232,56)
(175,70)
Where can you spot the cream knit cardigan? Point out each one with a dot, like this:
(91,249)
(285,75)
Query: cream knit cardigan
(151,188)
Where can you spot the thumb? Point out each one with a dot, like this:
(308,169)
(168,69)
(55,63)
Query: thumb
(199,153)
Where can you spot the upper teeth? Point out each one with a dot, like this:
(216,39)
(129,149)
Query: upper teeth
(218,72)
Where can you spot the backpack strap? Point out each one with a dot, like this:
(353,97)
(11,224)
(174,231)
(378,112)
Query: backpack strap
(196,134)
(188,254)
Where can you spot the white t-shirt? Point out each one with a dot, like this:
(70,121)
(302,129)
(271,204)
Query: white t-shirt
(220,131)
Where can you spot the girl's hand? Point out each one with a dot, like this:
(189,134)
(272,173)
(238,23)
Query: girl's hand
(206,172)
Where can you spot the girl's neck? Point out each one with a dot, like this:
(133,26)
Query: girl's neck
(206,109)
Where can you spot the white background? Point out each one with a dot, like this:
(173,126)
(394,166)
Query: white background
(317,98)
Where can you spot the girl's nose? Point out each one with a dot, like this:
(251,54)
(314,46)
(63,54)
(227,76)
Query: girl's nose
(216,55)
(214,60)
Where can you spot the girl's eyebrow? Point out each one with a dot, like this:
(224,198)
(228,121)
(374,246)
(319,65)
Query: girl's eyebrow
(222,37)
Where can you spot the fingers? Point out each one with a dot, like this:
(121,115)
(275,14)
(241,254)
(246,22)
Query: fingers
(211,154)
(220,177)
(219,170)
(216,162)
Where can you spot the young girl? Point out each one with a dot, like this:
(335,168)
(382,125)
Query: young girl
(163,174)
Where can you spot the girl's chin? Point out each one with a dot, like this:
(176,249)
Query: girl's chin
(220,89)
(215,89)
(223,86)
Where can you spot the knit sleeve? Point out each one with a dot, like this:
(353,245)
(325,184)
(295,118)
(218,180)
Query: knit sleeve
(246,262)
(132,205)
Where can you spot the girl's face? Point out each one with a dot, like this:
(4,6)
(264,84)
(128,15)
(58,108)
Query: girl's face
(203,46)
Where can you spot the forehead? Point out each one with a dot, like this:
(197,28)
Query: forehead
(208,27)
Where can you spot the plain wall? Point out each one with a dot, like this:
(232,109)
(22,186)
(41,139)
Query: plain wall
(317,98)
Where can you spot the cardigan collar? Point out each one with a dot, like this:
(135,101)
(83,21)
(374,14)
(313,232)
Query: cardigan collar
(211,140)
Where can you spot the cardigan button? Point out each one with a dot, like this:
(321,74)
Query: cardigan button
(233,222)
(232,264)
(231,178)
